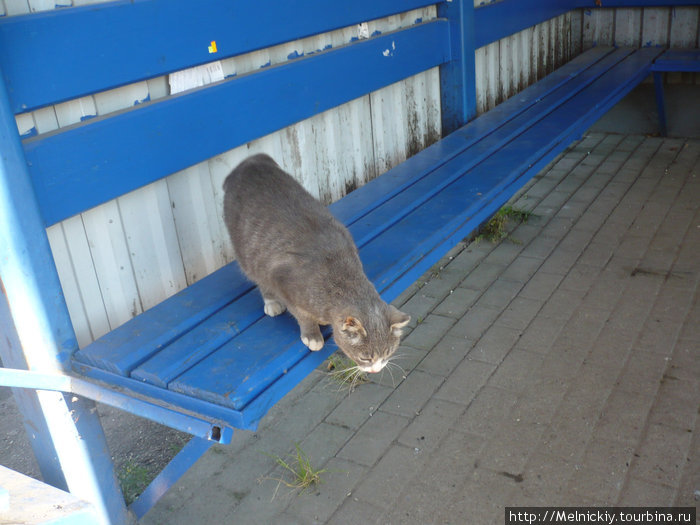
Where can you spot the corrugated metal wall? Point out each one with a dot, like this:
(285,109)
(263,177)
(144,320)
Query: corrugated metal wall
(505,67)
(129,254)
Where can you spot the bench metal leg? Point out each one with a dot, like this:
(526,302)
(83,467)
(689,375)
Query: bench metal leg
(41,337)
(191,452)
(660,101)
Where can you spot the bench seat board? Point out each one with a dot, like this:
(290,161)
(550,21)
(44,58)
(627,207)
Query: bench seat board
(402,222)
(682,60)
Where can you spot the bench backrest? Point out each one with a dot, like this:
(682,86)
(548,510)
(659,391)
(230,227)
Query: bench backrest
(80,166)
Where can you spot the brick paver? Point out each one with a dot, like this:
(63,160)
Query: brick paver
(557,368)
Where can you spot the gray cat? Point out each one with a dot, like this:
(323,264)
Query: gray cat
(304,260)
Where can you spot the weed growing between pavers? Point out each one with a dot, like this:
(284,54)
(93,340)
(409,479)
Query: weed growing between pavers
(495,229)
(299,465)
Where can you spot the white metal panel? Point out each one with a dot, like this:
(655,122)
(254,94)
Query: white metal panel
(598,27)
(628,27)
(505,67)
(152,241)
(684,27)
(69,282)
(110,257)
(194,210)
(655,26)
(16,7)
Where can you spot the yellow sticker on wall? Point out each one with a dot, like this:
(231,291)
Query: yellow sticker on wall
(212,47)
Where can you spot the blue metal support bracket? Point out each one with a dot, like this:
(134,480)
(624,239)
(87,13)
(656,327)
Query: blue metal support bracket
(458,76)
(42,338)
(129,402)
(191,452)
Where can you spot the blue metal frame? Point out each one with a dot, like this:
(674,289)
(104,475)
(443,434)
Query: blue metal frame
(674,60)
(458,76)
(41,325)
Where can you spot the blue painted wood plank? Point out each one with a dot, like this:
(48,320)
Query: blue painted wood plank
(124,348)
(186,351)
(102,158)
(382,263)
(238,371)
(69,48)
(685,60)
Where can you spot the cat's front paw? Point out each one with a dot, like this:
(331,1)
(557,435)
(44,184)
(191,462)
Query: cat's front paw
(315,343)
(273,308)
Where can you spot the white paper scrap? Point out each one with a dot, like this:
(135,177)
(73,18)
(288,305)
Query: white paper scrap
(195,77)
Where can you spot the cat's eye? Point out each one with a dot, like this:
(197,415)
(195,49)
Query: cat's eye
(364,360)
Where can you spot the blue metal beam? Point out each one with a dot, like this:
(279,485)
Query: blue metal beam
(191,424)
(40,318)
(188,456)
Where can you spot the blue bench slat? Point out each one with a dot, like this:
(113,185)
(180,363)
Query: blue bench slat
(242,368)
(122,349)
(182,354)
(193,346)
(68,48)
(92,162)
(392,253)
(684,60)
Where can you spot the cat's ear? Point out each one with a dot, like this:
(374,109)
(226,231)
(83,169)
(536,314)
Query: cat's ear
(398,320)
(352,328)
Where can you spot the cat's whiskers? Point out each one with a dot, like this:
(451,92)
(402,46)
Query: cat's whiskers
(348,377)
(390,363)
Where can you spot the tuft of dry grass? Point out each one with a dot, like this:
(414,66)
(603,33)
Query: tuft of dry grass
(304,475)
(345,372)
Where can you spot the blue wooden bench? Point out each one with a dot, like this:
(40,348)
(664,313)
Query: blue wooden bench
(673,60)
(207,360)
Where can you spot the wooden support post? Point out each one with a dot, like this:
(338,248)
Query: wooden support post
(38,335)
(458,77)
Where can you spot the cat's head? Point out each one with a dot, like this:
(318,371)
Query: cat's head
(371,338)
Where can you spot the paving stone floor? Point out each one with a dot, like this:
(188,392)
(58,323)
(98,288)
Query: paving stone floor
(558,367)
